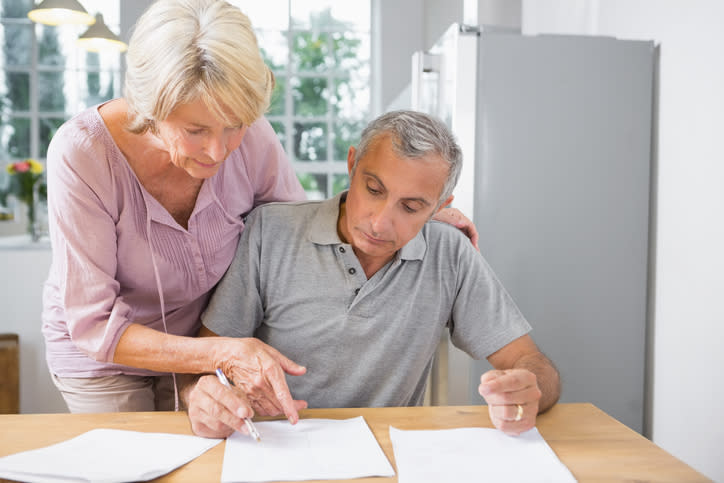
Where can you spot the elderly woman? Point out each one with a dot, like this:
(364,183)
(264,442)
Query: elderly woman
(147,197)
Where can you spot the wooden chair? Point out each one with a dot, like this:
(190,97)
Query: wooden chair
(9,374)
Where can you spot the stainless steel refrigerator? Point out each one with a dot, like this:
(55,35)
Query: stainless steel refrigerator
(557,133)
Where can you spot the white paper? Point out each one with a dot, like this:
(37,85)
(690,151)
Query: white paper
(312,449)
(475,455)
(106,455)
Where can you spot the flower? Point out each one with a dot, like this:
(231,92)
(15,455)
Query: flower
(24,166)
(26,184)
(23,176)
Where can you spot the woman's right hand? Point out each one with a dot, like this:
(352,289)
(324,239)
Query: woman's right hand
(258,371)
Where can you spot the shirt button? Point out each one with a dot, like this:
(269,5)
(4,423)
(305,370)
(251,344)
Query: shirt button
(352,271)
(341,249)
(356,291)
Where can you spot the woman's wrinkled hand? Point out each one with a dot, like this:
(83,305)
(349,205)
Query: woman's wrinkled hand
(259,372)
(456,218)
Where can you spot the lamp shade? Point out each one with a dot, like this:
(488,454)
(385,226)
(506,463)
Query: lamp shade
(99,37)
(60,12)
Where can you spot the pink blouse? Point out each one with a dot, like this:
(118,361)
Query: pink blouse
(101,219)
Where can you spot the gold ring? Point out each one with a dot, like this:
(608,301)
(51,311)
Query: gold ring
(519,415)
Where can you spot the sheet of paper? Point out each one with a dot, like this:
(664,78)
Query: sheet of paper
(106,455)
(475,455)
(312,449)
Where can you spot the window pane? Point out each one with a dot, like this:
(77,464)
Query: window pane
(45,77)
(48,126)
(311,52)
(96,87)
(351,97)
(267,14)
(278,102)
(50,91)
(315,185)
(16,91)
(274,49)
(351,50)
(16,8)
(310,96)
(50,47)
(310,141)
(320,14)
(17,41)
(281,132)
(346,134)
(340,182)
(15,138)
(321,63)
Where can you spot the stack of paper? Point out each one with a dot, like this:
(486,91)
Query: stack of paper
(312,449)
(475,454)
(106,455)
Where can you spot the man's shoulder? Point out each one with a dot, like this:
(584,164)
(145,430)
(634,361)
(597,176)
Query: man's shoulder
(286,208)
(286,213)
(440,232)
(446,242)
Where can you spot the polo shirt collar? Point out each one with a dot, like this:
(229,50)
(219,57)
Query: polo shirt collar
(323,230)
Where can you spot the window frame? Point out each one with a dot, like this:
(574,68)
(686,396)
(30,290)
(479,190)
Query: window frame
(72,72)
(333,168)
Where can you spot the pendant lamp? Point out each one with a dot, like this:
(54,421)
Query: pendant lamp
(60,12)
(99,38)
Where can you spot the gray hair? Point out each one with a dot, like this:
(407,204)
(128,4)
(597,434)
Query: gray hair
(415,135)
(182,51)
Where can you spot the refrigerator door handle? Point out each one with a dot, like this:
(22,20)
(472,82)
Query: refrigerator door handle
(425,75)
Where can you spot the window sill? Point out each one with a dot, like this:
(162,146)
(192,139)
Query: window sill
(23,242)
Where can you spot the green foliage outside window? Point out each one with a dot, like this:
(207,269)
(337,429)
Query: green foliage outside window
(315,110)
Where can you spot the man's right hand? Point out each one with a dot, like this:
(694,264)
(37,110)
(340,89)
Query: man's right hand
(257,371)
(216,411)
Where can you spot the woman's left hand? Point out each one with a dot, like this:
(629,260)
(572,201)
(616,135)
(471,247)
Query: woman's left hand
(455,217)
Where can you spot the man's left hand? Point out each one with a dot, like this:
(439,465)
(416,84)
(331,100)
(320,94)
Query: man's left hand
(512,396)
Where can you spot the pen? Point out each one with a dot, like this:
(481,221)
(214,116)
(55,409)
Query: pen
(249,425)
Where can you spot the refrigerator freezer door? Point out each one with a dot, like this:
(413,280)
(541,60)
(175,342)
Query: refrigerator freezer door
(561,196)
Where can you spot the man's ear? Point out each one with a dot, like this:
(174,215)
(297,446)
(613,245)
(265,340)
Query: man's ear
(350,160)
(445,203)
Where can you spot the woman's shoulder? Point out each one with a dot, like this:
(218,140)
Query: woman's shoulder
(260,156)
(83,148)
(259,137)
(83,133)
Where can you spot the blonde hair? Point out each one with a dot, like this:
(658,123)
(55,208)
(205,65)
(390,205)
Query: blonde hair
(185,50)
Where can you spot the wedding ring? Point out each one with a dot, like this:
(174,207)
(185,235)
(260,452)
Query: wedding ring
(519,415)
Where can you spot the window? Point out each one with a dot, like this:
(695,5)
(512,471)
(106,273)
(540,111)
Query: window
(319,52)
(45,78)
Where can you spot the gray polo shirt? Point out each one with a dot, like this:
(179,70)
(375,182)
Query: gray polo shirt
(294,285)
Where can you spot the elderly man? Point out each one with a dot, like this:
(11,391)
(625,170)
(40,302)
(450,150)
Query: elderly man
(358,290)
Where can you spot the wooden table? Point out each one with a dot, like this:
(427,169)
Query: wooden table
(593,445)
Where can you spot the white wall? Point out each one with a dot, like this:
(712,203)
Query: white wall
(22,273)
(686,360)
(424,22)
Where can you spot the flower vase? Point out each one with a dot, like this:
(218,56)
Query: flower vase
(32,222)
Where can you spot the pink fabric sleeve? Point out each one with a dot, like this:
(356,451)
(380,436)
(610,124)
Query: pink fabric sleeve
(82,214)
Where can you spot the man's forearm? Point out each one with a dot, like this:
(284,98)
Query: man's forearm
(549,380)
